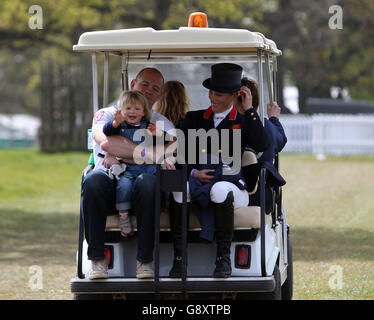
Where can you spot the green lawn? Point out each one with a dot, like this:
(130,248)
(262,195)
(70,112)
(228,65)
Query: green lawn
(329,206)
(39,212)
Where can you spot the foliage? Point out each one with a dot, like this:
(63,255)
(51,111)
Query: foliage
(315,57)
(30,85)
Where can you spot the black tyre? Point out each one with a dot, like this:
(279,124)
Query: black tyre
(287,287)
(276,294)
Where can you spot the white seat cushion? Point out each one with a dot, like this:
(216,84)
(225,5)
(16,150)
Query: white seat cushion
(244,218)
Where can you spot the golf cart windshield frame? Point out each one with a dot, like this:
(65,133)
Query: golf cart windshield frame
(266,61)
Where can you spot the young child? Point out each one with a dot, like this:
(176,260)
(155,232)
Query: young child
(133,115)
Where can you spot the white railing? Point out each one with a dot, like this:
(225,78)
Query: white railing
(329,134)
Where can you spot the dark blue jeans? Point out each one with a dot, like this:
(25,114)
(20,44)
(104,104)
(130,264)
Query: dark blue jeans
(98,198)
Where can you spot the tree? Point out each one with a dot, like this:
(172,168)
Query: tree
(354,49)
(49,72)
(40,60)
(317,57)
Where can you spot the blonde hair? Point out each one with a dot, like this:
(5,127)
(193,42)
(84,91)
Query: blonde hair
(134,97)
(173,103)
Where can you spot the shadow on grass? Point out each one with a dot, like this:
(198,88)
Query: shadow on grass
(28,238)
(324,244)
(51,238)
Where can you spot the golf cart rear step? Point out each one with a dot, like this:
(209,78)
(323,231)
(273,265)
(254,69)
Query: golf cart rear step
(201,285)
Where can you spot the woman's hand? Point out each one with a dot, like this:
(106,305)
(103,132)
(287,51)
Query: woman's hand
(153,130)
(169,163)
(245,97)
(118,118)
(202,175)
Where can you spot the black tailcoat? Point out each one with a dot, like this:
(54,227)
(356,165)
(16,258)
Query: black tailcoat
(252,131)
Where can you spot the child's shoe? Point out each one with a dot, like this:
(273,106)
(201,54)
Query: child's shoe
(125,225)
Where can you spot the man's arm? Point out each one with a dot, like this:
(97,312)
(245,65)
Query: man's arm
(120,147)
(130,152)
(98,134)
(280,138)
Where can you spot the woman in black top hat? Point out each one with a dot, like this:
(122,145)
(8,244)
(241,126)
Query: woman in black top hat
(224,88)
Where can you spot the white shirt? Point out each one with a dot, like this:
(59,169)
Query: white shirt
(218,117)
(105,115)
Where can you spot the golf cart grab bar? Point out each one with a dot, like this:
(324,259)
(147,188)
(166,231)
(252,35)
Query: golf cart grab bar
(170,181)
(262,219)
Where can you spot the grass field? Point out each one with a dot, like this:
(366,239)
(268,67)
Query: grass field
(39,211)
(329,206)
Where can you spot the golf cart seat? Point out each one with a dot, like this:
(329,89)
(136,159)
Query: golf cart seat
(244,217)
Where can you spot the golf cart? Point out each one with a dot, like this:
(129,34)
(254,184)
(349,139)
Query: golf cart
(261,253)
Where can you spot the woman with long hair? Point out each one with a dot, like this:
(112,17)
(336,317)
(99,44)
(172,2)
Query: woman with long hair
(173,103)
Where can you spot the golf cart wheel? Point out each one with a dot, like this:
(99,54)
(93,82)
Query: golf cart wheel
(287,287)
(276,294)
(273,295)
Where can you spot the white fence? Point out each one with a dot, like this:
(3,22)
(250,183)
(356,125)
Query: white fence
(18,131)
(329,134)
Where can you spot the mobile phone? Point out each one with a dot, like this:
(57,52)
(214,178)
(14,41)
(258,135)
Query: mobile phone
(211,173)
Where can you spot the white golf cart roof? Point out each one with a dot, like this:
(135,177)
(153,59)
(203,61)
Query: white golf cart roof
(183,40)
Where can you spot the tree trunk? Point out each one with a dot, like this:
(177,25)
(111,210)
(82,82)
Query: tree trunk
(303,96)
(47,133)
(66,106)
(280,84)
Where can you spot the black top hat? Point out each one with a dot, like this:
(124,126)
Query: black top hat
(226,77)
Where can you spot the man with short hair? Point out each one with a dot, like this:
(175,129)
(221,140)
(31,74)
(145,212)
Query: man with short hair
(98,189)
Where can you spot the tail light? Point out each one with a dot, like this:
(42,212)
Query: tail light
(242,256)
(108,252)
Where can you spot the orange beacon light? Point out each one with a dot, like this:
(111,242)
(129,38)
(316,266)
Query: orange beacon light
(198,20)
